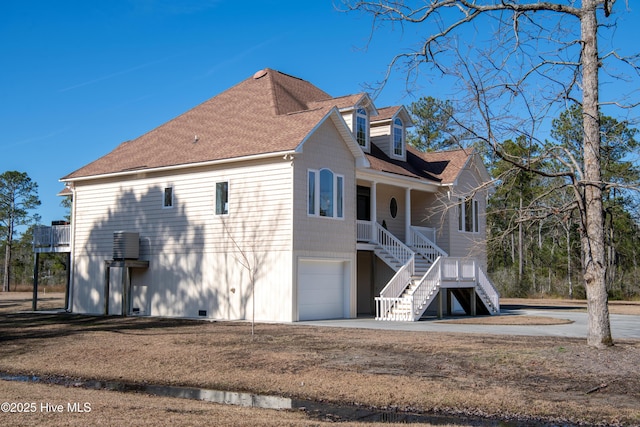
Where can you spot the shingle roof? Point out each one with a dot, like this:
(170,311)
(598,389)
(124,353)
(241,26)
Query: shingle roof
(385,113)
(442,167)
(270,112)
(266,113)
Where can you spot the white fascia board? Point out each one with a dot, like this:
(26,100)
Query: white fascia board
(366,101)
(402,113)
(397,180)
(282,154)
(406,117)
(473,158)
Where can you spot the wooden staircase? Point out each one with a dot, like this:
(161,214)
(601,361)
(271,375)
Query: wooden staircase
(422,270)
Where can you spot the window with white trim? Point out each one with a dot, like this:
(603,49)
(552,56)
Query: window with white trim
(167,197)
(398,137)
(468,215)
(325,194)
(362,127)
(222,198)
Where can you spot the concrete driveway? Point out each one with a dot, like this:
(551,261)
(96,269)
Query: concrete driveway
(622,326)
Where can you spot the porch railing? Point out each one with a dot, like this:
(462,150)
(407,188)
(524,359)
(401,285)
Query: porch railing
(364,231)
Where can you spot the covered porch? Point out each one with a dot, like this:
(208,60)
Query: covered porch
(398,208)
(393,225)
(404,268)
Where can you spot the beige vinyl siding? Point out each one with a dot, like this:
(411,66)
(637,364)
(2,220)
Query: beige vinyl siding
(395,225)
(259,200)
(320,238)
(381,138)
(348,119)
(430,210)
(467,244)
(194,262)
(324,149)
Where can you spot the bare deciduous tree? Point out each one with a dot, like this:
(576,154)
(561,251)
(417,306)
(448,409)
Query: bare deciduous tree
(539,57)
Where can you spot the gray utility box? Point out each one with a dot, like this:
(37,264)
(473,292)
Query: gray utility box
(126,245)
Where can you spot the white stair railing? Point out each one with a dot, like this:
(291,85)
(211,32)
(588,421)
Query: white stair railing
(399,281)
(389,301)
(489,290)
(425,289)
(424,246)
(400,252)
(388,309)
(390,297)
(392,306)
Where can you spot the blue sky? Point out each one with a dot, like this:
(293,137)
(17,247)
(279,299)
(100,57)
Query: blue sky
(79,77)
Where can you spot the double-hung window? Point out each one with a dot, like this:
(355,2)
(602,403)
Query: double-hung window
(222,198)
(325,194)
(362,127)
(167,197)
(468,215)
(398,138)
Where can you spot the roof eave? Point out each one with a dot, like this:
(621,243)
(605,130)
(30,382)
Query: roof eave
(397,179)
(282,154)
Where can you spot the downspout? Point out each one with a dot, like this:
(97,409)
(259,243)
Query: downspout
(72,243)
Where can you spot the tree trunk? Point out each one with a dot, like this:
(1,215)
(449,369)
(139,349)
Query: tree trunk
(7,258)
(569,260)
(593,248)
(520,260)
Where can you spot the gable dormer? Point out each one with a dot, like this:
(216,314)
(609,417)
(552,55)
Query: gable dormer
(389,131)
(358,117)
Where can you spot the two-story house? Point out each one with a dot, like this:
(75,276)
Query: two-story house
(275,201)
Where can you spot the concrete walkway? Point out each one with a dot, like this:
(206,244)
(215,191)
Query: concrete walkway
(622,326)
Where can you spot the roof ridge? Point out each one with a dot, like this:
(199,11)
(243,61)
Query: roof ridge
(272,90)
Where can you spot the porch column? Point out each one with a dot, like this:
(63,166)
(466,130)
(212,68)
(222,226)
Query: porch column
(407,208)
(374,210)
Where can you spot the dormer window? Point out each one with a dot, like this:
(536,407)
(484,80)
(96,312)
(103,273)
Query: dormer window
(362,127)
(398,138)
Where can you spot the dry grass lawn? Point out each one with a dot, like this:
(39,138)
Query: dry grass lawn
(506,377)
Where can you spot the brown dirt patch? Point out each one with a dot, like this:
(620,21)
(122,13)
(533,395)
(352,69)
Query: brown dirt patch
(507,377)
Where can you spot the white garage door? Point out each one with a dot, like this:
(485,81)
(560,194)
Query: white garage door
(321,289)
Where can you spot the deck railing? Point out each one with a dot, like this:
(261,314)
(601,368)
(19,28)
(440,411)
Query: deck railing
(52,237)
(458,269)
